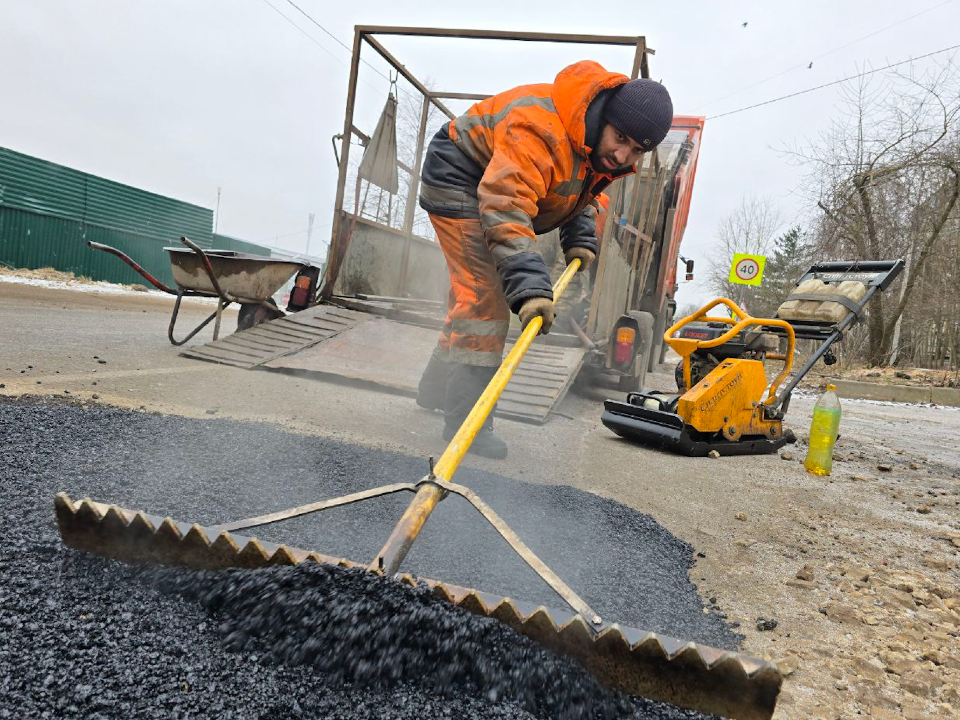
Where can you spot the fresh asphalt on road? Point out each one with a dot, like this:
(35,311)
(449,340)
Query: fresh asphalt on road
(85,638)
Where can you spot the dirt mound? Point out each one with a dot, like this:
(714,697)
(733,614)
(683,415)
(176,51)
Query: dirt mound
(50,274)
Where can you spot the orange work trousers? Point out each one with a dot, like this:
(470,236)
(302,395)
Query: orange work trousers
(478,318)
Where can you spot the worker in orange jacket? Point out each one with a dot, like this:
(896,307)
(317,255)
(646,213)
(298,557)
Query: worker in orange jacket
(516,165)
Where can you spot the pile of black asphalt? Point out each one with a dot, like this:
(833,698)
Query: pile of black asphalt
(86,637)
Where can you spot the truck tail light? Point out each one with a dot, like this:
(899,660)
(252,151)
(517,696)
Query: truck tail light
(300,297)
(304,288)
(623,348)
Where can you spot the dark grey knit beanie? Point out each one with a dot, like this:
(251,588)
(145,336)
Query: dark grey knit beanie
(642,110)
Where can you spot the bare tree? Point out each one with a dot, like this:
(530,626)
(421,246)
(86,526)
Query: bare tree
(751,228)
(886,178)
(928,332)
(686,310)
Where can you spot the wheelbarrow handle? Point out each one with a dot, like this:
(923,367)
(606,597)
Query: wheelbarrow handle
(206,265)
(192,245)
(132,263)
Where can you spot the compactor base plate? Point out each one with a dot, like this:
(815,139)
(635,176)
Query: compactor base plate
(666,430)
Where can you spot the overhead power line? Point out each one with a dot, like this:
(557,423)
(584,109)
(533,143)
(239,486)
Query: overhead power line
(309,37)
(336,39)
(339,61)
(805,64)
(834,82)
(312,39)
(347,47)
(328,33)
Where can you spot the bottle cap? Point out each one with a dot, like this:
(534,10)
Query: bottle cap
(831,386)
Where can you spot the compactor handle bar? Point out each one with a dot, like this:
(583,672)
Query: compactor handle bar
(877,275)
(685,347)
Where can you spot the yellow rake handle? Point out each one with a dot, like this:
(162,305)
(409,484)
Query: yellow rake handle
(450,460)
(685,347)
(391,555)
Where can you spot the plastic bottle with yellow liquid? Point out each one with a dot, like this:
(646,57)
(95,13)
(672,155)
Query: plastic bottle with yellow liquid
(823,432)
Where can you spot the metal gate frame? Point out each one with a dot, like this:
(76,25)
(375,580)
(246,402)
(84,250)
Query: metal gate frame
(367,34)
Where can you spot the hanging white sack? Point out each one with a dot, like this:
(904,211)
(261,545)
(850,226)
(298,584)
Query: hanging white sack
(379,163)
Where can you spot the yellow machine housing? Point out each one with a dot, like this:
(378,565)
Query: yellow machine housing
(728,401)
(724,405)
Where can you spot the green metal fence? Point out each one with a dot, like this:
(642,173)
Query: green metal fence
(29,240)
(225,242)
(48,212)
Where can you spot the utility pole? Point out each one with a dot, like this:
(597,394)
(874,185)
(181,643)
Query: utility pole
(309,231)
(216,216)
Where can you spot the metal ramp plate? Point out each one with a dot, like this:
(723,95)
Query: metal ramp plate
(270,340)
(384,352)
(393,355)
(540,382)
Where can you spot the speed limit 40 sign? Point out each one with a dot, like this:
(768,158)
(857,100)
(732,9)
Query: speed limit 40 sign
(747,269)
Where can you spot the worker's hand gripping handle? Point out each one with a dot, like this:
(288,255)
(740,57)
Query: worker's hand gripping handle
(391,555)
(450,460)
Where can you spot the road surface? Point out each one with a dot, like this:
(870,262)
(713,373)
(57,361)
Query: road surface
(859,570)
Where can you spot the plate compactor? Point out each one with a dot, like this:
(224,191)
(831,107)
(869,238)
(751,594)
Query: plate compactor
(634,661)
(721,378)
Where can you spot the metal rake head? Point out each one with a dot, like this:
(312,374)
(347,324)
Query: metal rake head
(633,661)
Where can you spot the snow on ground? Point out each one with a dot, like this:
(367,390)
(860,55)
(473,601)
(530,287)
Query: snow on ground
(93,286)
(47,277)
(56,280)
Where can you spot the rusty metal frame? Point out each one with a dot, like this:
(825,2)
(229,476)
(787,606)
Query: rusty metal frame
(366,34)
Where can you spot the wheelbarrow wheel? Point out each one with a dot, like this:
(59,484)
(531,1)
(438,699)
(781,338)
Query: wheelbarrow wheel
(251,314)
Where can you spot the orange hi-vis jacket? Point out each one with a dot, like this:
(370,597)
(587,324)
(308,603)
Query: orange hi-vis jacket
(520,163)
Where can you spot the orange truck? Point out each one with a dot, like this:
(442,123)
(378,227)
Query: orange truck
(635,281)
(384,262)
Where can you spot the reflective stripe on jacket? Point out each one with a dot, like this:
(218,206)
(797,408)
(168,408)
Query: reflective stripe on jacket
(519,161)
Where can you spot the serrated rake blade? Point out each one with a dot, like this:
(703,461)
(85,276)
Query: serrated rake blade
(636,662)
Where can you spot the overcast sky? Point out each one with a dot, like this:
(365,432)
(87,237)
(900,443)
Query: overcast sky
(182,96)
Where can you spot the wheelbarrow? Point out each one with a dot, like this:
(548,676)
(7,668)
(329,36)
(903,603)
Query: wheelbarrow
(231,277)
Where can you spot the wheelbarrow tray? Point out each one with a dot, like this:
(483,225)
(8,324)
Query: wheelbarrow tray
(243,277)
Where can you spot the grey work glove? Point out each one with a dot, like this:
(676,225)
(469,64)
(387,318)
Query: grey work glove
(534,307)
(586,256)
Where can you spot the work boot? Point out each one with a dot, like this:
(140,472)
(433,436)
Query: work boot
(465,385)
(485,443)
(432,391)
